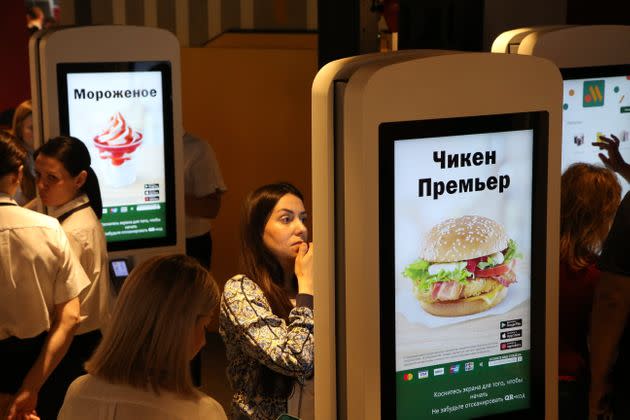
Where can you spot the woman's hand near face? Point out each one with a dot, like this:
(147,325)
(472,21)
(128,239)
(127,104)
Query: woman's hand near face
(304,268)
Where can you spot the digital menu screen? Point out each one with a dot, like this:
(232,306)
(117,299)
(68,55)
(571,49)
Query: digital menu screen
(457,210)
(123,113)
(596,102)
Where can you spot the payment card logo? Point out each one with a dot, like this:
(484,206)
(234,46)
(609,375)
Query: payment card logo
(438,371)
(469,366)
(423,374)
(593,93)
(454,369)
(408,376)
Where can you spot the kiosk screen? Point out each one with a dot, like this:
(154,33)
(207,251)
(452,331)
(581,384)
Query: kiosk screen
(596,102)
(457,216)
(123,113)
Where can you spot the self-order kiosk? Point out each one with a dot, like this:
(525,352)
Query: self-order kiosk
(117,88)
(595,65)
(434,221)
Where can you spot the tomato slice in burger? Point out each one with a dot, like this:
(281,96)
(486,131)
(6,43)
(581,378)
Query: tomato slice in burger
(499,270)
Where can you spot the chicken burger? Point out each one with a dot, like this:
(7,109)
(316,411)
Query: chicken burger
(465,267)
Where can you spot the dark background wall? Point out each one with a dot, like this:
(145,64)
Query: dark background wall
(469,25)
(345,28)
(14,75)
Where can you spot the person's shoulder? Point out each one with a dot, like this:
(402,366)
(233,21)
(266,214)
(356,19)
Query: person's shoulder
(83,379)
(197,148)
(239,283)
(210,409)
(32,219)
(241,289)
(195,143)
(81,384)
(82,223)
(592,272)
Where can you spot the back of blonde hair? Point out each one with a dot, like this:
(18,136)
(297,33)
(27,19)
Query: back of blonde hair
(22,112)
(590,197)
(147,344)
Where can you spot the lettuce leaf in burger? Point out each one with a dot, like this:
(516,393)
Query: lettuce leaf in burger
(465,267)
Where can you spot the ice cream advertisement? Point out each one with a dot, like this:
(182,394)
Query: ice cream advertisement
(116,146)
(463,216)
(119,116)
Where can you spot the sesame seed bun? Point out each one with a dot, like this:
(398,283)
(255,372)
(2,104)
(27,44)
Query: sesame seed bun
(463,238)
(462,307)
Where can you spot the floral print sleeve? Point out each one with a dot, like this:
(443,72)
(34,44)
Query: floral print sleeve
(263,336)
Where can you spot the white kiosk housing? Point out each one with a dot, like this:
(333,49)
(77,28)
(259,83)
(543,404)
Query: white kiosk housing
(401,144)
(509,41)
(117,88)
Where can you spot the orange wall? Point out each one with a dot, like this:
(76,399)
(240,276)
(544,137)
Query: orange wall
(253,105)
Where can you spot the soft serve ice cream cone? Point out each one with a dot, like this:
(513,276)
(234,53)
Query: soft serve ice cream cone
(116,145)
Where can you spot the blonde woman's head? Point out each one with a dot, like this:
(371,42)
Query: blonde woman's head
(22,126)
(158,326)
(590,197)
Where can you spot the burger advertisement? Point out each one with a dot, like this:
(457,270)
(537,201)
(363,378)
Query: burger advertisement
(119,116)
(462,229)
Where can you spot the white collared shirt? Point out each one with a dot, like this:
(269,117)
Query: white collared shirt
(91,397)
(87,240)
(202,177)
(38,270)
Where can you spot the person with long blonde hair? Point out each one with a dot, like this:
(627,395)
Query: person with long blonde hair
(140,369)
(22,129)
(590,196)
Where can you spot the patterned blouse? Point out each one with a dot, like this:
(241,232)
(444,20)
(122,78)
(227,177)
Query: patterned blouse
(259,342)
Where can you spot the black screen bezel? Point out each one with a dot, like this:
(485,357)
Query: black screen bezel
(164,67)
(391,132)
(573,73)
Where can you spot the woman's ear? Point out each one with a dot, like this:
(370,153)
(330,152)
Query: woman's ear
(80,179)
(20,174)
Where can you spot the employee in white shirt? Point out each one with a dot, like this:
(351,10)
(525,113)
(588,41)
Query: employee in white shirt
(69,191)
(40,280)
(203,186)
